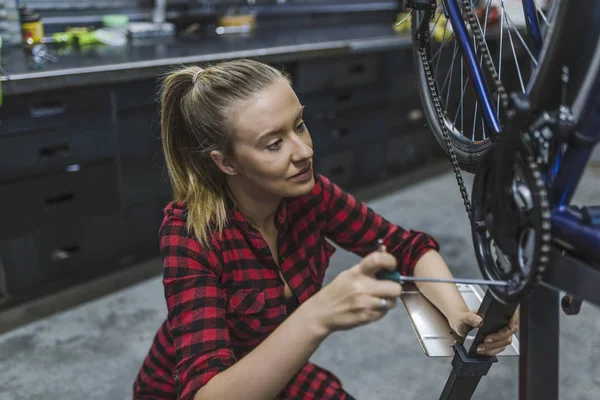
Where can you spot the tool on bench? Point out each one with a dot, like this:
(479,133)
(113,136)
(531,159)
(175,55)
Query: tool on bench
(396,277)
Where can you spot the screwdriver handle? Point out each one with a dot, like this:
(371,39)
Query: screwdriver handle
(384,273)
(389,275)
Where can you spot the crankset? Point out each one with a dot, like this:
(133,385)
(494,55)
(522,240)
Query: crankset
(510,209)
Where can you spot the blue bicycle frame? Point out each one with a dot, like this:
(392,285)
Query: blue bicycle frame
(568,227)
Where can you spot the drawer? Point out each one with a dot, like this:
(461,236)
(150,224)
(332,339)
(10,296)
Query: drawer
(57,199)
(139,134)
(398,65)
(408,115)
(60,255)
(349,129)
(138,94)
(371,166)
(328,105)
(40,111)
(338,167)
(144,180)
(143,223)
(322,74)
(410,150)
(54,149)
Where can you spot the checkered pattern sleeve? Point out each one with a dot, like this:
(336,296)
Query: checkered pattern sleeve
(356,228)
(196,309)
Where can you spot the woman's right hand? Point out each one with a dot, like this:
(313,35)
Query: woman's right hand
(355,296)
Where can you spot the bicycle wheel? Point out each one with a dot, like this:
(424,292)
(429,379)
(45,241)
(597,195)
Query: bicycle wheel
(513,53)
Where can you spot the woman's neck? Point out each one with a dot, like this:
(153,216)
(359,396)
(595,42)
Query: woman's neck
(259,211)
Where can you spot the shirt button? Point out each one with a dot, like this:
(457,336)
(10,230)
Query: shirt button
(176,377)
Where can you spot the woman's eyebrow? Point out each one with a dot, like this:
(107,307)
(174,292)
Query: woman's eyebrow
(278,131)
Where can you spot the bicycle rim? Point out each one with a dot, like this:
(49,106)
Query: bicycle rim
(469,135)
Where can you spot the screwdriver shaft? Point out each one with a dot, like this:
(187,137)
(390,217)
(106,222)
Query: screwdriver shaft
(457,280)
(395,276)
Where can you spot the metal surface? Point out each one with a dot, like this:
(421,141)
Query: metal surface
(431,327)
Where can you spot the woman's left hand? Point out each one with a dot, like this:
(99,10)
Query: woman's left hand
(494,343)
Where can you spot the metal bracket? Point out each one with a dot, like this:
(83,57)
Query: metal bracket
(466,374)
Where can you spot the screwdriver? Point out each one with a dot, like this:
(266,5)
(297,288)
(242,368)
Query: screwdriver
(396,277)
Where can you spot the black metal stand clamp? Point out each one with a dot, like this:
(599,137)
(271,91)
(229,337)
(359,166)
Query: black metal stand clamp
(467,366)
(466,374)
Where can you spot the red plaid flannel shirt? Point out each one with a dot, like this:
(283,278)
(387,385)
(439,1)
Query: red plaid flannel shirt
(223,302)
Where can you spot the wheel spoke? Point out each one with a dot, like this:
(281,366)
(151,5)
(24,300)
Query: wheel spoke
(510,24)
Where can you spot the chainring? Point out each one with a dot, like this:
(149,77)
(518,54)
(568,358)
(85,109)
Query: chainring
(520,256)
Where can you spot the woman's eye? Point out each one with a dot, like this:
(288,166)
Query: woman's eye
(301,127)
(275,145)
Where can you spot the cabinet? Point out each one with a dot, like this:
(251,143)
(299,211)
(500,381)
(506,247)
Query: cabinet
(83,181)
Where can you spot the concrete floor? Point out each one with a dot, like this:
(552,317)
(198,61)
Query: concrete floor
(94,350)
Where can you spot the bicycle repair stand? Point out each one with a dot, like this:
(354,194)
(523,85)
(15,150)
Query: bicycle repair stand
(466,374)
(467,366)
(539,327)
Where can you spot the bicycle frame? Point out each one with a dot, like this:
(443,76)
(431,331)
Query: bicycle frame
(568,227)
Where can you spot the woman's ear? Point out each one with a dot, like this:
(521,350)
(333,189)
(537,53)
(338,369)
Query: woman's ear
(224,163)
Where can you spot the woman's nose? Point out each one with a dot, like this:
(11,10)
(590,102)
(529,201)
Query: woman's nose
(302,148)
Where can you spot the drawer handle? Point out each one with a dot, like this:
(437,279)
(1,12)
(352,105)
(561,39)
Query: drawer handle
(47,109)
(61,198)
(57,150)
(340,169)
(64,253)
(357,69)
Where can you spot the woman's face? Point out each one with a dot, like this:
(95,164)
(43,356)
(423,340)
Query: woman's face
(272,147)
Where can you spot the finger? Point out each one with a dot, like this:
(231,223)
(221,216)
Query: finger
(382,304)
(496,345)
(383,288)
(376,261)
(501,335)
(474,320)
(513,324)
(492,344)
(494,351)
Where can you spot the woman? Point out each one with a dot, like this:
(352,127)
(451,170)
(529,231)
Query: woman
(245,250)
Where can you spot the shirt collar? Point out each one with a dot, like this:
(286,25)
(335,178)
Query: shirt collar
(235,216)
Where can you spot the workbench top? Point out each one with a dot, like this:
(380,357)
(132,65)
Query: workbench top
(139,59)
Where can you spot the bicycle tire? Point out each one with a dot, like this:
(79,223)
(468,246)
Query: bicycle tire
(468,153)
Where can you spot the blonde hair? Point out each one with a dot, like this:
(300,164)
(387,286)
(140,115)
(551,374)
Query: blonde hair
(195,104)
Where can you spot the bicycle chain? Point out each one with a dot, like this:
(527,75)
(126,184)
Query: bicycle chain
(445,134)
(539,184)
(482,46)
(534,160)
(436,99)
